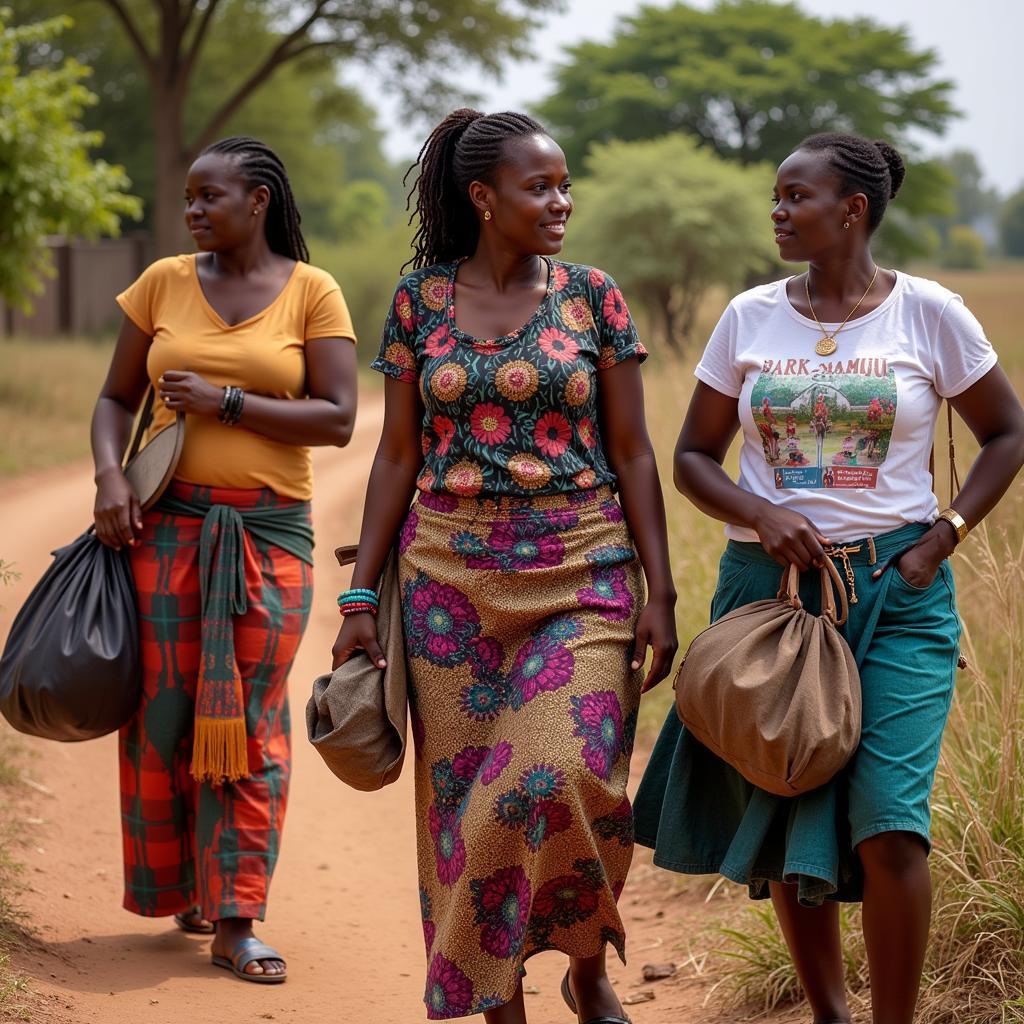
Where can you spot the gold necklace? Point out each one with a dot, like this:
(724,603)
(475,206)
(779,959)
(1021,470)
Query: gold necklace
(827,342)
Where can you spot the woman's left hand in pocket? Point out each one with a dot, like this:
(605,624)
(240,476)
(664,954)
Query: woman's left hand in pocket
(919,565)
(655,628)
(184,391)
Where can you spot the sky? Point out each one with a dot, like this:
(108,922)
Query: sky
(978,43)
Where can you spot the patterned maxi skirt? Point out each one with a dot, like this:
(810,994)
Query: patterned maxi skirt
(519,619)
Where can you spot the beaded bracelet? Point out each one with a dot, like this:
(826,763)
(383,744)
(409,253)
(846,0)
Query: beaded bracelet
(357,609)
(359,594)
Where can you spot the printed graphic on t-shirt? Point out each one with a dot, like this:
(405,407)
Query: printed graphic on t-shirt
(825,424)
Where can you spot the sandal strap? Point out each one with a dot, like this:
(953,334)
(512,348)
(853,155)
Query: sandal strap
(251,949)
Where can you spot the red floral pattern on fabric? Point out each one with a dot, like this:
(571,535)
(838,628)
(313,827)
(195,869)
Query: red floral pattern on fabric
(515,415)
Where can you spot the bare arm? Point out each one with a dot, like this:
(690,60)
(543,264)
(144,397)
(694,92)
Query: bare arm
(117,513)
(631,457)
(711,423)
(993,414)
(326,417)
(389,491)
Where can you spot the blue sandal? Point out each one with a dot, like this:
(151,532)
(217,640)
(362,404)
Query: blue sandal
(243,954)
(183,921)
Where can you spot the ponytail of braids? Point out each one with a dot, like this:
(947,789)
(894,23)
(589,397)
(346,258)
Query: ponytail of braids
(466,146)
(260,165)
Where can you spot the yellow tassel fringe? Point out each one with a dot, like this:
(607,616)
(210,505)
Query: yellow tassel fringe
(219,752)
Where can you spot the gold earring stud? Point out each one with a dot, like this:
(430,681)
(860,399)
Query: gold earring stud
(487,214)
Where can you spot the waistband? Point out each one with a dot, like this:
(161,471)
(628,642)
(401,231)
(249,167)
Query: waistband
(500,507)
(864,552)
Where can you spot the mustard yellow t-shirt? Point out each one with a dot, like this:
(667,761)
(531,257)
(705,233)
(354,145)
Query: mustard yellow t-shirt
(265,354)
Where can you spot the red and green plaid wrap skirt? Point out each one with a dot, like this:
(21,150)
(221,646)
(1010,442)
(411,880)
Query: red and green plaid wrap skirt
(188,843)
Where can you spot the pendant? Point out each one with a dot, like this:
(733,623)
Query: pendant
(826,346)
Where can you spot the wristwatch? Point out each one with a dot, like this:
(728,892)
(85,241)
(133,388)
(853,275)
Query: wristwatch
(955,520)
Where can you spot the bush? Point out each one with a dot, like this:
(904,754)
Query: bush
(964,250)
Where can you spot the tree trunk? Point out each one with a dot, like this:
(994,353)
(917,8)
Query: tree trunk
(171,168)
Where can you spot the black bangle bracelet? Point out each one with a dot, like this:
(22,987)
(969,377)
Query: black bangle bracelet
(237,405)
(224,404)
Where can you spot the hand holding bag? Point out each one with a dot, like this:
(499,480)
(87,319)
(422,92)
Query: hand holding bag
(774,691)
(356,716)
(70,668)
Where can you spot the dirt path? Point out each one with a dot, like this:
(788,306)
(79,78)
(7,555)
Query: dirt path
(344,907)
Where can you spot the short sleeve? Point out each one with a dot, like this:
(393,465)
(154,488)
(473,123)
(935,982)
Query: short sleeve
(327,315)
(619,338)
(718,367)
(397,356)
(961,352)
(139,300)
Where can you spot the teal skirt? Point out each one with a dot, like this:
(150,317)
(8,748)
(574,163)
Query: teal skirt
(702,817)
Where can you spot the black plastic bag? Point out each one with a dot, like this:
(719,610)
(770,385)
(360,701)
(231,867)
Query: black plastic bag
(71,668)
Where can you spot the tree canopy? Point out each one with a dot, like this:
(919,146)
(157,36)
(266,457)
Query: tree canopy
(697,221)
(203,63)
(48,182)
(749,78)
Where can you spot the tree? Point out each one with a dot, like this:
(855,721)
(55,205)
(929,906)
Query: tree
(668,219)
(1011,224)
(48,183)
(417,44)
(749,78)
(965,249)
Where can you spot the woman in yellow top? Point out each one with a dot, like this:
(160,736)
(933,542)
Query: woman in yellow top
(255,347)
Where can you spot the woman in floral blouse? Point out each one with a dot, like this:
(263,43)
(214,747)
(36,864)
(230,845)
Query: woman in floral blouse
(514,411)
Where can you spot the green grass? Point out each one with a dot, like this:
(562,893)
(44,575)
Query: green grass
(14,991)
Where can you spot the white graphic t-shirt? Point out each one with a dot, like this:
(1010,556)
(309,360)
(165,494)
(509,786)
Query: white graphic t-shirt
(844,439)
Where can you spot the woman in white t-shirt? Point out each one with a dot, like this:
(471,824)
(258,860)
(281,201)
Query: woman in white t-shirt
(835,378)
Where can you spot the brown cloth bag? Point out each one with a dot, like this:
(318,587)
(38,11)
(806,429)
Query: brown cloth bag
(357,714)
(774,690)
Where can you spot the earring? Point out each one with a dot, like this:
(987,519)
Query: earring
(487,214)
(256,211)
(846,226)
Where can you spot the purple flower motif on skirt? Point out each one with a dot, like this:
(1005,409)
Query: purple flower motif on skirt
(546,818)
(562,629)
(481,701)
(449,992)
(502,903)
(540,666)
(512,808)
(598,719)
(467,763)
(612,511)
(611,554)
(438,502)
(449,848)
(439,621)
(618,825)
(429,928)
(609,594)
(542,781)
(516,545)
(485,656)
(496,762)
(408,534)
(562,518)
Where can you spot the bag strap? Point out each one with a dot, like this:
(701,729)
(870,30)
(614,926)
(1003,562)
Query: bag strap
(831,584)
(145,418)
(954,476)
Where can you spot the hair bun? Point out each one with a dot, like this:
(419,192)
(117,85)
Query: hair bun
(897,168)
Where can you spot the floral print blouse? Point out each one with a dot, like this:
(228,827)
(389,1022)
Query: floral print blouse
(512,416)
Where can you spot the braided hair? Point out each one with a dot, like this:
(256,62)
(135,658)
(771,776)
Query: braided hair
(466,146)
(874,168)
(260,165)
